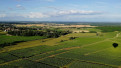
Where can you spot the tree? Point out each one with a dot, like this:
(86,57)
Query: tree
(115,45)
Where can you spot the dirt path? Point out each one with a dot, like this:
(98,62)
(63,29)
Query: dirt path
(119,67)
(43,53)
(70,48)
(10,62)
(60,49)
(51,56)
(94,43)
(49,42)
(24,45)
(117,35)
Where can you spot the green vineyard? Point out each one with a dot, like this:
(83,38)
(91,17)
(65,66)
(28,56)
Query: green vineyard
(83,52)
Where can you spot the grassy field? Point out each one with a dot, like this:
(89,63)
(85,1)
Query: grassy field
(87,50)
(13,40)
(2,33)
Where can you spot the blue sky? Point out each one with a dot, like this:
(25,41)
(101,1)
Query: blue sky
(61,10)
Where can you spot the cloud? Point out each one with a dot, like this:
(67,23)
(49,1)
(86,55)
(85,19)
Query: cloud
(59,13)
(34,15)
(51,7)
(2,15)
(75,12)
(64,13)
(17,7)
(20,7)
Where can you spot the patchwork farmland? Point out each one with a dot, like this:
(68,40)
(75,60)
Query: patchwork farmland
(80,50)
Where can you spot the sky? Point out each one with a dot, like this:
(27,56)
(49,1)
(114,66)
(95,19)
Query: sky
(61,10)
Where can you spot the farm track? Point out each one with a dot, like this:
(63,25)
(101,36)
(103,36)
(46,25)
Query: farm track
(65,52)
(38,54)
(94,43)
(91,62)
(65,49)
(29,44)
(56,50)
(10,62)
(66,66)
(117,35)
(51,56)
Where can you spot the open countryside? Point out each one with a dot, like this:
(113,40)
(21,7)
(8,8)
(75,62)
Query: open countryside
(52,47)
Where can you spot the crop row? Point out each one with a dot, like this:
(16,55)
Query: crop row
(6,57)
(79,64)
(29,52)
(26,64)
(45,55)
(60,62)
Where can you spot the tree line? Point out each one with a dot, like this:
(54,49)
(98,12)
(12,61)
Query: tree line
(32,31)
(109,28)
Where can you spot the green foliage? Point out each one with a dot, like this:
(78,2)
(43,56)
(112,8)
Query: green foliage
(71,38)
(47,33)
(12,40)
(109,28)
(28,52)
(27,64)
(93,32)
(5,57)
(86,51)
(40,56)
(3,33)
(57,61)
(80,41)
(80,64)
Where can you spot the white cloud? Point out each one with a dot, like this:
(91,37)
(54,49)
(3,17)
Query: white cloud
(66,13)
(20,7)
(55,8)
(34,15)
(59,13)
(2,15)
(75,12)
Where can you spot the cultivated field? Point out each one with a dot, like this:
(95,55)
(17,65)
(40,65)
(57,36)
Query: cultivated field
(86,50)
(51,25)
